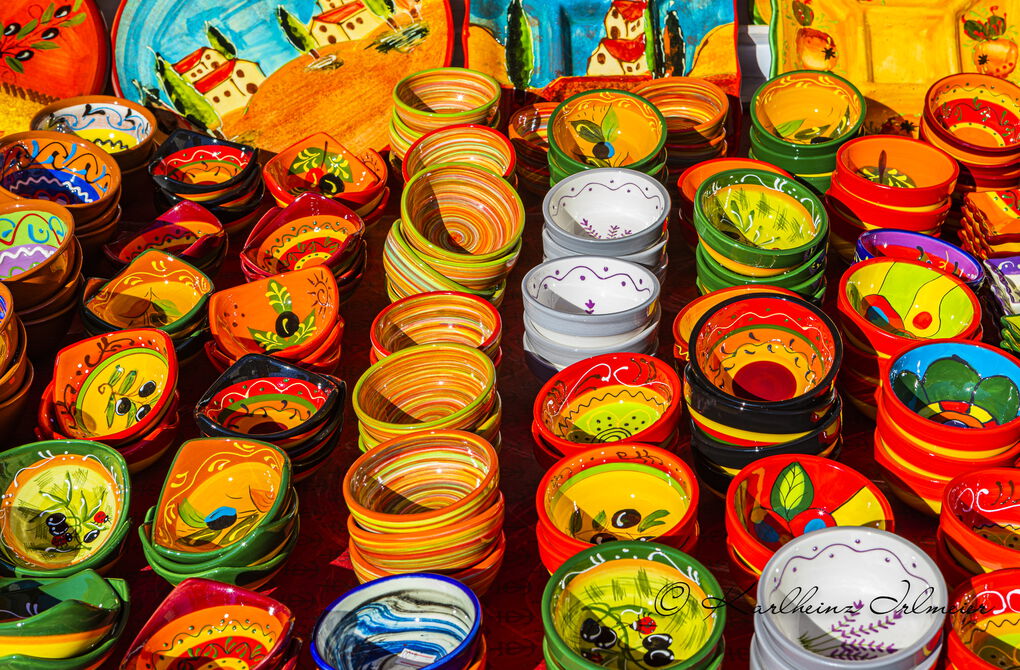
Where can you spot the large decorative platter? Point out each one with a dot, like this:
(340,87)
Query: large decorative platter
(529,44)
(894,50)
(263,72)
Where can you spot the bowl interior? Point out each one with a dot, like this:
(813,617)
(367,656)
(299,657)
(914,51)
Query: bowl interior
(204,164)
(110,126)
(897,163)
(607,205)
(306,241)
(911,301)
(607,129)
(759,217)
(320,164)
(447,91)
(265,406)
(591,286)
(988,508)
(984,618)
(447,318)
(978,111)
(29,237)
(808,108)
(911,246)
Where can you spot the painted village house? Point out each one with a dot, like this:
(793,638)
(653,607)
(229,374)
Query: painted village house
(342,21)
(226,84)
(622,50)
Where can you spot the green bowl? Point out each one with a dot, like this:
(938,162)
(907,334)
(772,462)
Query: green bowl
(813,289)
(802,279)
(758,219)
(791,161)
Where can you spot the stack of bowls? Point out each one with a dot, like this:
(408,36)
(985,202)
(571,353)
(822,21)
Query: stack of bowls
(312,230)
(437,98)
(155,290)
(608,398)
(606,128)
(577,307)
(67,171)
(622,491)
(263,398)
(438,316)
(61,623)
(235,622)
(761,381)
(690,179)
(1004,294)
(977,524)
(426,617)
(982,628)
(972,117)
(468,143)
(460,230)
(293,316)
(16,371)
(612,212)
(320,164)
(778,498)
(528,132)
(67,531)
(632,604)
(888,182)
(800,119)
(887,303)
(221,176)
(908,245)
(757,227)
(988,223)
(696,113)
(428,387)
(885,611)
(944,409)
(429,501)
(227,512)
(119,388)
(186,230)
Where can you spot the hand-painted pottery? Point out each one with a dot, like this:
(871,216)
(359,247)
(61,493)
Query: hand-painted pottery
(861,213)
(695,109)
(778,498)
(321,164)
(982,624)
(203,619)
(193,164)
(896,171)
(117,126)
(36,240)
(632,605)
(921,491)
(473,144)
(979,520)
(785,120)
(115,386)
(909,245)
(437,316)
(978,115)
(218,491)
(758,223)
(559,347)
(805,280)
(187,230)
(64,507)
(441,97)
(289,314)
(66,170)
(427,617)
(10,335)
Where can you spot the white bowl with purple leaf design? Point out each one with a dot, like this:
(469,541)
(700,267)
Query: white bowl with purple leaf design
(585,295)
(850,597)
(606,211)
(650,257)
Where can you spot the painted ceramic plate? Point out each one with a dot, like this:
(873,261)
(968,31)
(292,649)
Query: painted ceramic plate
(263,72)
(528,44)
(865,42)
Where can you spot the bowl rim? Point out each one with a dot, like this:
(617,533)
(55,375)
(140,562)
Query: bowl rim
(717,297)
(106,159)
(892,194)
(58,106)
(30,204)
(499,138)
(474,301)
(190,140)
(951,139)
(874,235)
(457,73)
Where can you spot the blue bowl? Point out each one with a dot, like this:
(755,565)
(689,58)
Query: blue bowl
(914,246)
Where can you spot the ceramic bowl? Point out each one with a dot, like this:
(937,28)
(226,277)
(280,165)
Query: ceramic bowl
(885,302)
(186,230)
(897,171)
(805,280)
(564,350)
(36,252)
(786,122)
(861,213)
(923,492)
(891,594)
(982,622)
(436,316)
(528,127)
(10,336)
(119,127)
(473,144)
(758,223)
(608,398)
(651,257)
(63,169)
(446,96)
(778,498)
(908,245)
(978,519)
(695,109)
(691,178)
(606,212)
(977,115)
(203,168)
(639,601)
(244,628)
(322,164)
(435,618)
(49,531)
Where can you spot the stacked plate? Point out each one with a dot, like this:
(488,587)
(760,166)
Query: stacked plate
(908,245)
(976,630)
(119,388)
(761,381)
(757,227)
(427,502)
(261,397)
(577,307)
(16,371)
(227,512)
(460,230)
(888,182)
(990,223)
(221,176)
(186,230)
(528,130)
(945,408)
(440,97)
(469,143)
(612,212)
(800,119)
(606,128)
(696,113)
(887,303)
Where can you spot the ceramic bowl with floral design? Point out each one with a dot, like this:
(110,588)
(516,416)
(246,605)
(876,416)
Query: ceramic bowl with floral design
(898,172)
(321,164)
(119,127)
(203,168)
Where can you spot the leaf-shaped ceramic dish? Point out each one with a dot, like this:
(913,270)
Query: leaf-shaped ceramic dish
(198,165)
(321,164)
(217,492)
(155,290)
(187,230)
(114,386)
(64,507)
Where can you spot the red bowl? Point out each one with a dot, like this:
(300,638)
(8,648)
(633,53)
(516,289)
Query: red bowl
(922,493)
(954,573)
(939,104)
(936,170)
(980,511)
(979,608)
(851,206)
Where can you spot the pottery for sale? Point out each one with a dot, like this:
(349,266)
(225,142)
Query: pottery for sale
(467,143)
(978,520)
(321,164)
(437,316)
(909,245)
(982,622)
(36,255)
(193,164)
(806,108)
(117,126)
(186,230)
(444,96)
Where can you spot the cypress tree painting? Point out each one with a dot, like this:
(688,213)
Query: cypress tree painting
(185,99)
(520,56)
(219,41)
(675,56)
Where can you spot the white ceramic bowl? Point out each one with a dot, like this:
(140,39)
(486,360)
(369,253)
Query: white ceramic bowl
(581,295)
(606,211)
(592,340)
(538,351)
(556,352)
(650,257)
